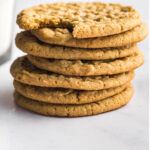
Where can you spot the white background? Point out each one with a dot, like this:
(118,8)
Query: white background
(123,129)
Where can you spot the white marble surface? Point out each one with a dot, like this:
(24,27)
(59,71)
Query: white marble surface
(123,129)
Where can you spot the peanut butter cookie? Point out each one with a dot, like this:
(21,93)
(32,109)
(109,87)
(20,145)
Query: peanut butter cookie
(94,108)
(22,70)
(83,19)
(31,45)
(64,37)
(89,67)
(65,96)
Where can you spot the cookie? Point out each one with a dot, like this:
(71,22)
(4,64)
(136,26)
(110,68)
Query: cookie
(89,67)
(94,108)
(83,19)
(65,96)
(27,73)
(64,37)
(31,45)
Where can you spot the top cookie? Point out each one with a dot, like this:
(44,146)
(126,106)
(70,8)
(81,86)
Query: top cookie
(84,19)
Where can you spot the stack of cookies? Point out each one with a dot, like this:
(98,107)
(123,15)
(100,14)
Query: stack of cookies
(80,58)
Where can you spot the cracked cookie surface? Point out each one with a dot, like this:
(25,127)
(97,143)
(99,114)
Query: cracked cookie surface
(84,19)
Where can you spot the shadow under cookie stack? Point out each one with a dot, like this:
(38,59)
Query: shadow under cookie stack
(80,58)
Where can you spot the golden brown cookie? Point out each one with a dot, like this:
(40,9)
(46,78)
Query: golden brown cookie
(65,96)
(89,67)
(84,19)
(27,73)
(64,37)
(31,45)
(94,108)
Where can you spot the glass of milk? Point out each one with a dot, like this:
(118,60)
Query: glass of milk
(6,18)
